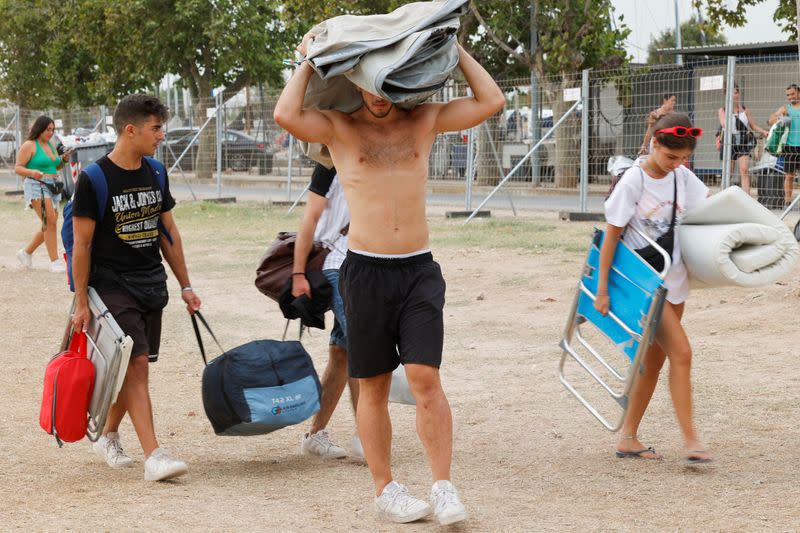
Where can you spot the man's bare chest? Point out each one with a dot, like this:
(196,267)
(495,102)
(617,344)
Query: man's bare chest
(388,147)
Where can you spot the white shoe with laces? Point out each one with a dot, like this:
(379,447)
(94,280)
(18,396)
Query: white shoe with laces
(57,266)
(160,466)
(25,259)
(395,504)
(356,449)
(320,444)
(109,447)
(446,504)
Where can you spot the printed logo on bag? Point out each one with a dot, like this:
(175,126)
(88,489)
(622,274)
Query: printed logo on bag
(287,399)
(287,404)
(276,410)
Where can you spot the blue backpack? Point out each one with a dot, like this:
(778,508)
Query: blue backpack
(100,186)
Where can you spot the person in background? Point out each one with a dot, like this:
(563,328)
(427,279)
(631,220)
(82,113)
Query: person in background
(742,139)
(668,102)
(38,162)
(789,114)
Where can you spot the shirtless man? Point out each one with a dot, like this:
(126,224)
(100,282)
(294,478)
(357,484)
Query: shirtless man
(392,289)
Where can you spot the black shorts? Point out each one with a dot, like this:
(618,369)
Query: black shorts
(394,309)
(791,159)
(737,151)
(143,326)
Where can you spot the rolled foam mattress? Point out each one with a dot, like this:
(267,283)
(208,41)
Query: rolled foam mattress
(732,240)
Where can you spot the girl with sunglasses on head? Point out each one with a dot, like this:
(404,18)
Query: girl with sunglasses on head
(653,196)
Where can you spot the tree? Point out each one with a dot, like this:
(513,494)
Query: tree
(693,33)
(228,43)
(573,35)
(721,12)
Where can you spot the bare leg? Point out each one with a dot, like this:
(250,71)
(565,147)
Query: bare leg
(434,420)
(375,427)
(333,381)
(788,186)
(134,397)
(50,237)
(38,236)
(744,172)
(640,396)
(352,383)
(672,339)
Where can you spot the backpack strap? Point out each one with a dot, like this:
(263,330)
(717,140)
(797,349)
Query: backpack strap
(98,179)
(161,178)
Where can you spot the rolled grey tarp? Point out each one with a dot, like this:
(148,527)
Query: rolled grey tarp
(404,56)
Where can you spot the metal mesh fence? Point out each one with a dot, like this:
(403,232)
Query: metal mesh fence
(250,146)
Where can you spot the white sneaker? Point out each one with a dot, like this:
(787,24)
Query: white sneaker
(395,504)
(57,266)
(320,444)
(446,505)
(356,449)
(109,447)
(25,259)
(160,466)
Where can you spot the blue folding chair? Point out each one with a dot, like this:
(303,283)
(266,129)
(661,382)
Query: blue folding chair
(637,293)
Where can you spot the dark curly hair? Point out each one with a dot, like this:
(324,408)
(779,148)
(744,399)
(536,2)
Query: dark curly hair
(673,141)
(136,108)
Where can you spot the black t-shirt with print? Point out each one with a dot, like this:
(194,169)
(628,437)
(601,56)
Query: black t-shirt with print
(126,239)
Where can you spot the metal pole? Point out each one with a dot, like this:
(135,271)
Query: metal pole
(218,102)
(18,139)
(679,57)
(534,124)
(289,168)
(289,212)
(103,113)
(584,189)
(522,161)
(797,25)
(470,172)
(728,129)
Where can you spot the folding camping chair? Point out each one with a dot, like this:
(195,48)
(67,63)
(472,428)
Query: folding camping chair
(637,297)
(109,350)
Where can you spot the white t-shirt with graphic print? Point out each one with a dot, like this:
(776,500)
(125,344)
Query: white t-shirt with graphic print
(645,203)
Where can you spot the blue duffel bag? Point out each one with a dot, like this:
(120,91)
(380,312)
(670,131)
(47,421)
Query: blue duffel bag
(258,387)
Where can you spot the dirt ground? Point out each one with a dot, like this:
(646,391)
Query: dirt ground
(527,456)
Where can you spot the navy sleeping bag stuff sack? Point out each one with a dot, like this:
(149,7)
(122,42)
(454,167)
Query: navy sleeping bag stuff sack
(258,387)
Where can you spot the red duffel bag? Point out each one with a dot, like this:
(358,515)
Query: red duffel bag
(68,387)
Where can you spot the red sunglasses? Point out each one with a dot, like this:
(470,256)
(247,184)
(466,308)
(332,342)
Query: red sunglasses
(681,131)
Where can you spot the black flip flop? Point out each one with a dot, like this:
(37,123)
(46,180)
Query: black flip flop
(693,460)
(638,454)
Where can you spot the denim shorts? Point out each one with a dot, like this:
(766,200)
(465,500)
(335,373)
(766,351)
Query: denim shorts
(339,331)
(34,190)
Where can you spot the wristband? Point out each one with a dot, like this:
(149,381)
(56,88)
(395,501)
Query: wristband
(187,288)
(298,273)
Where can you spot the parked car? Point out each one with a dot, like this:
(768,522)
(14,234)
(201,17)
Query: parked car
(8,148)
(240,151)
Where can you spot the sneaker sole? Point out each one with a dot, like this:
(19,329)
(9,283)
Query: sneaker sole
(169,475)
(303,451)
(452,519)
(419,515)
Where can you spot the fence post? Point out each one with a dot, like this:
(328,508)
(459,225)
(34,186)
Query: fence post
(584,185)
(470,170)
(17,139)
(727,137)
(289,168)
(218,103)
(103,113)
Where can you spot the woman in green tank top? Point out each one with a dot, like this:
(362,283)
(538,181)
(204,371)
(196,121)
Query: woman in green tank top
(38,162)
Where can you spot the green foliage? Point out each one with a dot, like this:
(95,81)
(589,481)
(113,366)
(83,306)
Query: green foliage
(691,35)
(732,13)
(93,51)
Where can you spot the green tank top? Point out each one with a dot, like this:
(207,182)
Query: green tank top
(41,162)
(794,129)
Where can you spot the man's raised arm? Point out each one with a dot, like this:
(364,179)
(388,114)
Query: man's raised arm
(310,125)
(486,100)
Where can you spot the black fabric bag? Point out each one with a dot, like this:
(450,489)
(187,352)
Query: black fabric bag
(55,188)
(667,241)
(258,387)
(148,287)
